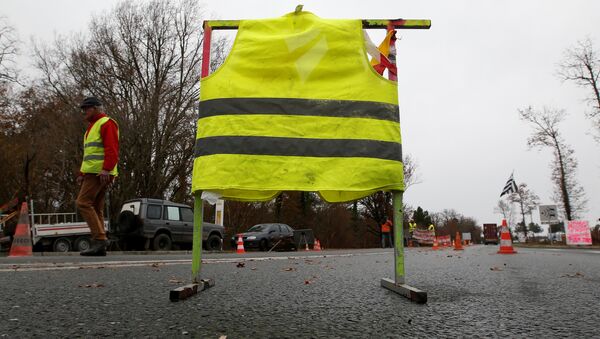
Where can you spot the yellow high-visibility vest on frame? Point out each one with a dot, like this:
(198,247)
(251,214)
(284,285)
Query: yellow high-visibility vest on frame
(297,106)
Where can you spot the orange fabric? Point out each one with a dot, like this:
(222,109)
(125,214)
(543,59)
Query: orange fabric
(386,227)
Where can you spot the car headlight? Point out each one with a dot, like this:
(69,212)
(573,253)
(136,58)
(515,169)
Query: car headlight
(251,237)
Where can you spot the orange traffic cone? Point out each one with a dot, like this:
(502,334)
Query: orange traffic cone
(435,244)
(317,246)
(505,241)
(21,244)
(457,243)
(240,245)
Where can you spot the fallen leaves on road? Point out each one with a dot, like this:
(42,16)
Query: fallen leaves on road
(94,285)
(310,281)
(576,275)
(495,268)
(240,264)
(289,269)
(175,280)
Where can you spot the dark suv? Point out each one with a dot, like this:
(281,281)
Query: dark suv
(267,236)
(158,224)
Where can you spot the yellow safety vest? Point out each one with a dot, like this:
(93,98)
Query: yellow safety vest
(297,106)
(93,149)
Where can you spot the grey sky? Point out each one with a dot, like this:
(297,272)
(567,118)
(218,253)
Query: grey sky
(460,85)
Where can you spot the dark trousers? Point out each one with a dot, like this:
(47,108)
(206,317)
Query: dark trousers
(386,238)
(90,202)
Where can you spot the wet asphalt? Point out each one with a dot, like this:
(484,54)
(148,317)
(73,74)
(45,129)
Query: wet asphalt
(329,294)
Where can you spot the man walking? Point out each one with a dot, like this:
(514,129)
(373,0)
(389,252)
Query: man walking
(98,170)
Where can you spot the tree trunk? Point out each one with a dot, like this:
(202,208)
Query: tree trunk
(563,183)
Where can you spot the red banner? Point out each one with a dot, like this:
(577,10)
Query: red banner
(444,240)
(424,237)
(578,233)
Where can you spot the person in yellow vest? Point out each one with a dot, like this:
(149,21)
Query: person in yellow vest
(386,230)
(98,170)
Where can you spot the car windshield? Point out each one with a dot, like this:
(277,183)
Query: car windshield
(259,228)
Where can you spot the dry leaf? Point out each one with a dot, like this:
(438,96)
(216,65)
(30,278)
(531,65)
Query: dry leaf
(94,285)
(576,275)
(289,269)
(495,269)
(175,281)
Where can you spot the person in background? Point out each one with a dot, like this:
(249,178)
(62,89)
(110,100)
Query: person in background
(386,230)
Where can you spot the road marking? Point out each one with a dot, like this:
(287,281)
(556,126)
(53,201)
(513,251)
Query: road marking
(582,250)
(137,263)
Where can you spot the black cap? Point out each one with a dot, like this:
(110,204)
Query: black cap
(90,102)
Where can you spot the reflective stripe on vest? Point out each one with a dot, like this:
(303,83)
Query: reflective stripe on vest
(93,149)
(297,106)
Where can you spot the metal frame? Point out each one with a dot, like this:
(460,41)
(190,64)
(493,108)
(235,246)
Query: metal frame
(397,285)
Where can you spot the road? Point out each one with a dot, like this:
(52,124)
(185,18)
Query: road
(328,294)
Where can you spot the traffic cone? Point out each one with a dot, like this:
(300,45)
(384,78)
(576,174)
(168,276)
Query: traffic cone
(457,243)
(317,246)
(240,245)
(505,241)
(435,244)
(21,244)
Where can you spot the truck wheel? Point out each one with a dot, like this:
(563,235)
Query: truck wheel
(162,242)
(82,244)
(213,243)
(61,245)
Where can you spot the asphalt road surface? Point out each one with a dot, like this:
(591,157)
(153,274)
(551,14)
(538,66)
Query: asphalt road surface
(328,294)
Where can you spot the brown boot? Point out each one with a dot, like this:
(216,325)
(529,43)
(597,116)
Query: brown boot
(98,249)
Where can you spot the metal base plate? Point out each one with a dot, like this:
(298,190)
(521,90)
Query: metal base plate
(416,295)
(184,292)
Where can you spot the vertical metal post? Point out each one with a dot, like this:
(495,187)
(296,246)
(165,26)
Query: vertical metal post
(398,238)
(397,285)
(197,238)
(206,50)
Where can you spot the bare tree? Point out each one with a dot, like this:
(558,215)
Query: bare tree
(8,51)
(527,201)
(581,65)
(378,206)
(143,60)
(564,168)
(506,210)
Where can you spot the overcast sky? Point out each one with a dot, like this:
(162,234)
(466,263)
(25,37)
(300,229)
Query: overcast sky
(460,85)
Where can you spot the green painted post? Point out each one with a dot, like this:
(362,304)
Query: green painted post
(398,238)
(197,238)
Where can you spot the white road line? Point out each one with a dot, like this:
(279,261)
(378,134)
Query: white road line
(137,263)
(566,249)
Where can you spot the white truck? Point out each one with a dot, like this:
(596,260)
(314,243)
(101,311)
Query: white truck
(61,232)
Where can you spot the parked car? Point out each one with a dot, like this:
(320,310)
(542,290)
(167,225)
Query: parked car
(158,224)
(266,236)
